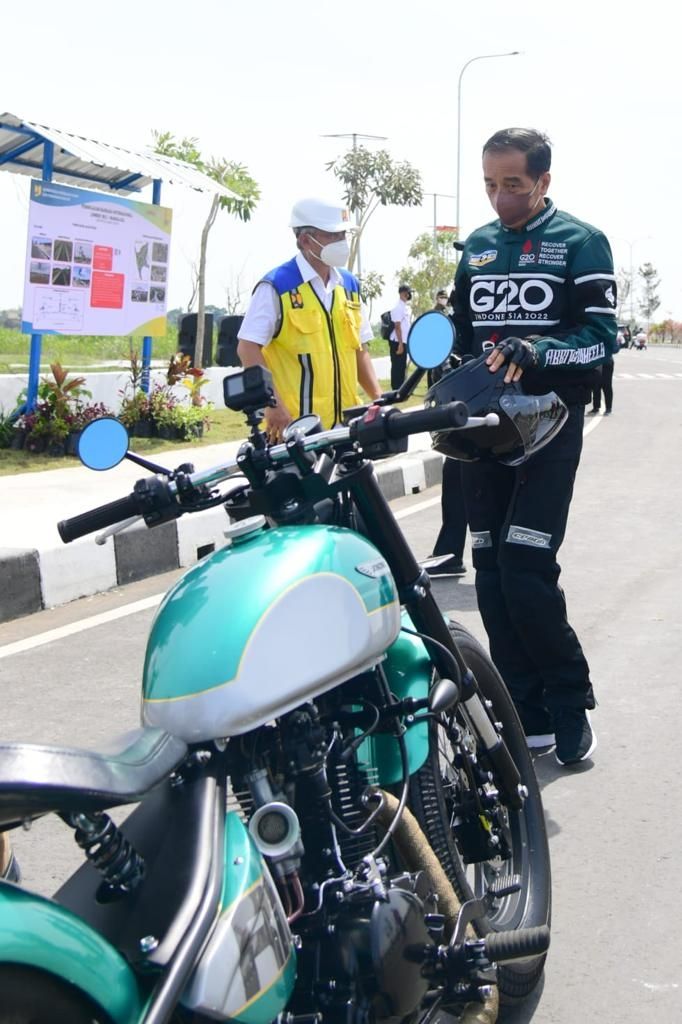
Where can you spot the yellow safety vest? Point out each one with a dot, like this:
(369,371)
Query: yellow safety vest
(313,357)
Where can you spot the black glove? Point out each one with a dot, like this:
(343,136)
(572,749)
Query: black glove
(516,350)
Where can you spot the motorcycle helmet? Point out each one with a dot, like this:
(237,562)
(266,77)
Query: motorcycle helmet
(527,422)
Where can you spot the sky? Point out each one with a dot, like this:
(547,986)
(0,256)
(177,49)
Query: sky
(264,82)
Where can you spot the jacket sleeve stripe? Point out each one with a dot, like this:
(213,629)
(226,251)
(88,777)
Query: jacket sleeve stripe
(594,277)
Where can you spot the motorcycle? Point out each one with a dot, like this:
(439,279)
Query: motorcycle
(336,816)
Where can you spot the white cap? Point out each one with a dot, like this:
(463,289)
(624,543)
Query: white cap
(317,213)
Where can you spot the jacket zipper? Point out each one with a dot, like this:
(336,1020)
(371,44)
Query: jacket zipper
(335,357)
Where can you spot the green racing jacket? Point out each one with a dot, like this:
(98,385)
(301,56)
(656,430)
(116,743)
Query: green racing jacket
(552,283)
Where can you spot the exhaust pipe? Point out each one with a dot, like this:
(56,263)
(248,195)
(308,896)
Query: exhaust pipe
(416,854)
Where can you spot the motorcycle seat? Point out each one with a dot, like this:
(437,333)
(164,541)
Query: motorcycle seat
(36,779)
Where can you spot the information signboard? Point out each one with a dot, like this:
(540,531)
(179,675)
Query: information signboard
(95,263)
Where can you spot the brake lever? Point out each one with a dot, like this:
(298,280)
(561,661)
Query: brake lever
(111,531)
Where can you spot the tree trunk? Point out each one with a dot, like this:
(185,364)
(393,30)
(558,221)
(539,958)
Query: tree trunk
(201,282)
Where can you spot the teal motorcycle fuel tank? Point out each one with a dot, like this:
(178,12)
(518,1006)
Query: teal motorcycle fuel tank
(274,619)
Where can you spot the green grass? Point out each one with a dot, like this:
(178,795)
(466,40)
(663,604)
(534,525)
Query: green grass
(73,353)
(225,425)
(79,353)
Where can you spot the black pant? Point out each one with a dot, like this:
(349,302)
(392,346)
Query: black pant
(517,519)
(454,520)
(398,365)
(605,385)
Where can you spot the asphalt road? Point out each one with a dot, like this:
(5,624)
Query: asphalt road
(615,824)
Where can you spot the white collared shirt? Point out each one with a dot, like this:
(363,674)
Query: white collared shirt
(401,314)
(262,318)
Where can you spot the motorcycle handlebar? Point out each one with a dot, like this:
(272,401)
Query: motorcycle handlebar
(98,518)
(379,423)
(423,421)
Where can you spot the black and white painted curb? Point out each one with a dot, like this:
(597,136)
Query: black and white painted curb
(32,580)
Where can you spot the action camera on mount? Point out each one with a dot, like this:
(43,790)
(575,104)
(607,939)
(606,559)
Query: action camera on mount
(249,390)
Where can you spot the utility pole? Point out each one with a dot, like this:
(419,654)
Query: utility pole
(436,196)
(355,136)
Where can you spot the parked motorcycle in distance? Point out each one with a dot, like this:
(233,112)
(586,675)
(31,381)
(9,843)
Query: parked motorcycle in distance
(337,818)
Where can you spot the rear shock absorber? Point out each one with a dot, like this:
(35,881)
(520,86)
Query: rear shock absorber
(120,865)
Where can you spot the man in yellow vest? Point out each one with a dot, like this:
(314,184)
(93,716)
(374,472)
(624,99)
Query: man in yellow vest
(305,324)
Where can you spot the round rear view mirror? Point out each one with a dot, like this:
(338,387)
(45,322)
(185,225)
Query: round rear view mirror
(430,340)
(103,443)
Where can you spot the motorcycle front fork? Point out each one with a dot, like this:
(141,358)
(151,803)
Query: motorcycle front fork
(414,588)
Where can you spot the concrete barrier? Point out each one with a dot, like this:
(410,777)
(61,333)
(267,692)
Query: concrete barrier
(54,574)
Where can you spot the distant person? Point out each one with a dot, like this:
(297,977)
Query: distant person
(605,383)
(305,324)
(448,551)
(401,315)
(640,339)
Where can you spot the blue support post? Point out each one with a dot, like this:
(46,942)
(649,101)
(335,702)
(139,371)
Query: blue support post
(147,341)
(37,338)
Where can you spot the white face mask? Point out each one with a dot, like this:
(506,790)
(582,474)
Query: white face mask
(334,254)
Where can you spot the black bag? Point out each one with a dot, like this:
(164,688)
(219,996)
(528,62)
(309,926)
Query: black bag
(386,325)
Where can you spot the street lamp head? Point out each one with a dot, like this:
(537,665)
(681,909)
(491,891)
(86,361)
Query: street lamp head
(481,56)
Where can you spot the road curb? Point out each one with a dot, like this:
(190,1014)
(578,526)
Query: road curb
(34,580)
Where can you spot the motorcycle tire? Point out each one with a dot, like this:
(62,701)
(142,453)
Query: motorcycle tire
(30,996)
(431,799)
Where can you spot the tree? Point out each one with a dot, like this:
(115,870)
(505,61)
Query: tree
(173,316)
(371,287)
(650,283)
(234,295)
(226,172)
(372,179)
(624,287)
(432,268)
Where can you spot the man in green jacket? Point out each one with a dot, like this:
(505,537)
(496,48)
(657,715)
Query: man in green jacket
(536,290)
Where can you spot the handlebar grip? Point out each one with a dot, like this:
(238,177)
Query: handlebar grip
(98,518)
(514,945)
(424,420)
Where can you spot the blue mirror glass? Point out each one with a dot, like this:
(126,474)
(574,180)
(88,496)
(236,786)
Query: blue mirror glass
(103,443)
(430,340)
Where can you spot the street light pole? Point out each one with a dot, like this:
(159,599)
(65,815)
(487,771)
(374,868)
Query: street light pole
(355,136)
(482,56)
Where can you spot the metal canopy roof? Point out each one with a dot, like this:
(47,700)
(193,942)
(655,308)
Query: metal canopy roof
(85,162)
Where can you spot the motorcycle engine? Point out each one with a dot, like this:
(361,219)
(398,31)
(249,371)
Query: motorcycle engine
(373,949)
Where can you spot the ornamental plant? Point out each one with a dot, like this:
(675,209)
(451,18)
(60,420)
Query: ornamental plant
(195,380)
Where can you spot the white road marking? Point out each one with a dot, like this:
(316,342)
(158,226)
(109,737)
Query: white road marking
(421,506)
(77,627)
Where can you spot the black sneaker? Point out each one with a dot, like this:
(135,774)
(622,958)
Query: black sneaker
(575,738)
(11,872)
(592,412)
(444,565)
